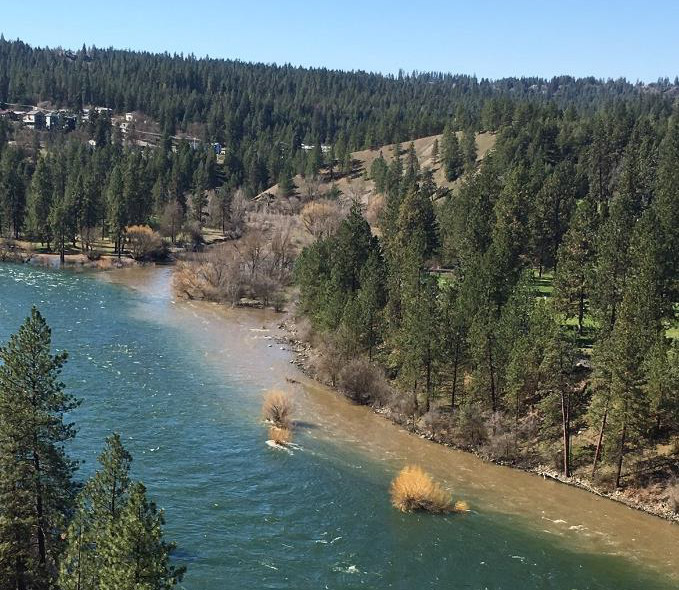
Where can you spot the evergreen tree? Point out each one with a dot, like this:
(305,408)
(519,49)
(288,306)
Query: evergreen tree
(99,506)
(135,555)
(40,201)
(117,211)
(36,488)
(12,191)
(469,149)
(378,173)
(452,156)
(574,270)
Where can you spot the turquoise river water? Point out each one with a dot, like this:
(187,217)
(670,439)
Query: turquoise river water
(183,384)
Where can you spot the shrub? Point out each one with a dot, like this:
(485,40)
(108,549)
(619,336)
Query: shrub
(363,382)
(414,489)
(192,237)
(328,362)
(281,436)
(277,408)
(471,428)
(145,244)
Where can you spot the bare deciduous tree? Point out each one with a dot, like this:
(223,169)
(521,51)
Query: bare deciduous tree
(321,218)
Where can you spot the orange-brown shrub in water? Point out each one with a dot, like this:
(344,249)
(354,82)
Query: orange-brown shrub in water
(414,489)
(277,408)
(280,436)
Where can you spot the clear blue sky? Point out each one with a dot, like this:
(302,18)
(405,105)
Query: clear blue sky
(638,40)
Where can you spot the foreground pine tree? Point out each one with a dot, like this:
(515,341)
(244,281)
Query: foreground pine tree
(135,556)
(115,540)
(99,506)
(36,487)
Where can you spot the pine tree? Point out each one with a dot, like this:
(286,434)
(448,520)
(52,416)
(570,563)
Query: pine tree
(666,204)
(559,387)
(452,157)
(575,260)
(553,208)
(135,555)
(371,299)
(12,191)
(378,173)
(36,488)
(435,152)
(40,201)
(99,507)
(469,149)
(417,337)
(117,211)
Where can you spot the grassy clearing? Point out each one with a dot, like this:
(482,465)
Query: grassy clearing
(544,284)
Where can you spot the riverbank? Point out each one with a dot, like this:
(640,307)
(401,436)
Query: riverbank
(649,500)
(23,253)
(285,331)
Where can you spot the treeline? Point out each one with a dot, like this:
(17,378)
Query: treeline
(54,531)
(262,114)
(73,194)
(528,315)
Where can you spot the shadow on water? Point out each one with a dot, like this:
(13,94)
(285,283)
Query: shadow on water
(304,425)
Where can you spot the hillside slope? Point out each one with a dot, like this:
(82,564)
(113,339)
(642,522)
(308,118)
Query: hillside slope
(357,184)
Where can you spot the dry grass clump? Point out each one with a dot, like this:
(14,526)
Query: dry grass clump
(277,408)
(414,489)
(281,436)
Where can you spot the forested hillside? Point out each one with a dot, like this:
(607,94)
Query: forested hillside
(532,316)
(530,313)
(262,114)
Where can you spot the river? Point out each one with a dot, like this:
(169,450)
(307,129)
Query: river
(183,384)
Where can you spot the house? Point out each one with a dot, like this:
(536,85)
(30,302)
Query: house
(324,148)
(52,120)
(34,119)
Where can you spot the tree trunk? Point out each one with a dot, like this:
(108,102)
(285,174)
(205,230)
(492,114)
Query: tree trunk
(491,373)
(581,311)
(566,426)
(19,567)
(42,552)
(597,453)
(455,364)
(428,384)
(622,454)
(416,410)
